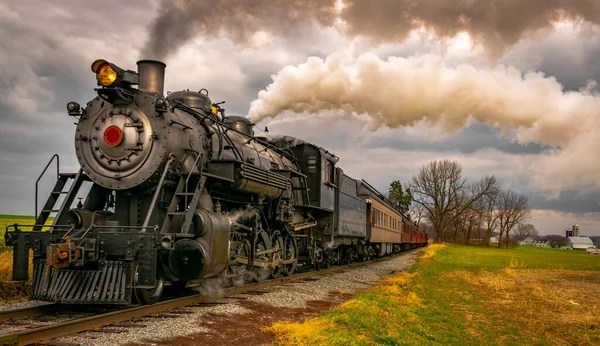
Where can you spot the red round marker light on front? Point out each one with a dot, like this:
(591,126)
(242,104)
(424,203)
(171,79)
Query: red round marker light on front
(113,136)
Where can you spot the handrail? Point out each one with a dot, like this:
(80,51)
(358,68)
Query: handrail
(40,177)
(187,179)
(158,189)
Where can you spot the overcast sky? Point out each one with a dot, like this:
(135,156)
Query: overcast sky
(47,50)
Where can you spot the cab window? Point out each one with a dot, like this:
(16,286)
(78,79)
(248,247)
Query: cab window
(328,172)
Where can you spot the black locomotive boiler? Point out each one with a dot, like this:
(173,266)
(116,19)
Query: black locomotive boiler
(181,193)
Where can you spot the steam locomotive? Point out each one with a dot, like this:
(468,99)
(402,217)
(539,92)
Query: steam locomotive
(181,193)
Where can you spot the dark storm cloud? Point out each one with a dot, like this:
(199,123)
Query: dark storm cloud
(568,201)
(572,58)
(496,24)
(469,140)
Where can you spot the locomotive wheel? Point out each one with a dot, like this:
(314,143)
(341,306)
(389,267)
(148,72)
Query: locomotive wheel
(345,255)
(261,244)
(322,261)
(149,296)
(277,242)
(238,269)
(361,254)
(291,253)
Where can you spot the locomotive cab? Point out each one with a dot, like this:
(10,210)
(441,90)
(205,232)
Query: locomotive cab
(318,165)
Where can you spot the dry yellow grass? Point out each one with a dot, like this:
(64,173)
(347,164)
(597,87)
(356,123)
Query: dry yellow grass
(6,262)
(5,265)
(295,333)
(553,305)
(431,250)
(9,290)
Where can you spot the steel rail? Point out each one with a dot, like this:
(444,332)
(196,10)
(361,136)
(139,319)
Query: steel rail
(47,333)
(31,311)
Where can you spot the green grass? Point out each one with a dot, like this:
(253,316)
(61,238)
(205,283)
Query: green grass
(477,258)
(19,217)
(469,296)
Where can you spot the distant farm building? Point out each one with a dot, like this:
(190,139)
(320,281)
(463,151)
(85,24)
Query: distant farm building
(573,232)
(596,240)
(529,241)
(494,240)
(580,243)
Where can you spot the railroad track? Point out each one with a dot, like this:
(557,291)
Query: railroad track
(38,310)
(44,334)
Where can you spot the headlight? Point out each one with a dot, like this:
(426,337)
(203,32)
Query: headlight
(109,75)
(106,75)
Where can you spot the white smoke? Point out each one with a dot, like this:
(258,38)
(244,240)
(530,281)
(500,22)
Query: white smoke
(404,91)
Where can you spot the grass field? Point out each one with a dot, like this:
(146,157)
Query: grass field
(469,296)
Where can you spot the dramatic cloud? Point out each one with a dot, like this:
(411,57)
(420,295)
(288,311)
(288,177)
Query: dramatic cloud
(497,25)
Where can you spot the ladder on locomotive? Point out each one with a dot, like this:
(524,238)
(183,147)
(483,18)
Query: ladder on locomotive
(187,195)
(61,181)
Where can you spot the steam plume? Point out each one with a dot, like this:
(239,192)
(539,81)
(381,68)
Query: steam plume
(403,91)
(496,24)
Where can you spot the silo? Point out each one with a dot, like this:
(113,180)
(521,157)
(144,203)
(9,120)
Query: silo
(575,230)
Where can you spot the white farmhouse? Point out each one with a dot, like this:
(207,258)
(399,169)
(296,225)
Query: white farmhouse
(529,241)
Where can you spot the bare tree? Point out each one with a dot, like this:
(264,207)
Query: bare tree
(557,240)
(489,215)
(524,231)
(441,190)
(512,209)
(416,213)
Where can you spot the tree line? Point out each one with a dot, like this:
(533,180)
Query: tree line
(452,209)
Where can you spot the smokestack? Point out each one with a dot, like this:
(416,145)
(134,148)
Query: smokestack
(152,76)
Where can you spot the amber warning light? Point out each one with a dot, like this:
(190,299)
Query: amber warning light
(113,136)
